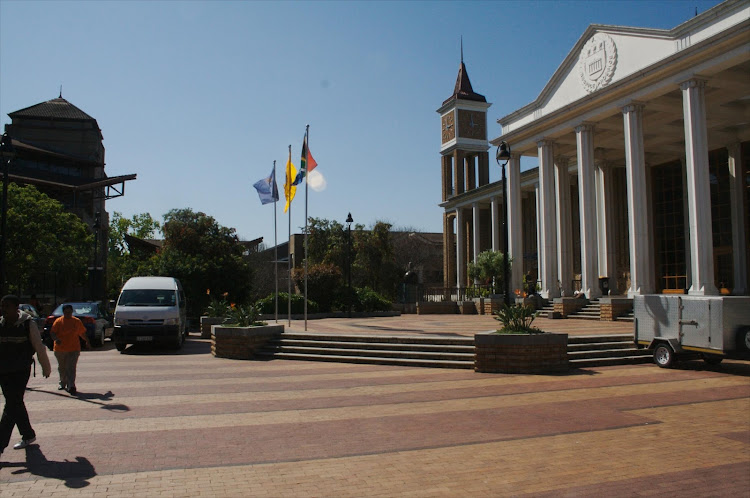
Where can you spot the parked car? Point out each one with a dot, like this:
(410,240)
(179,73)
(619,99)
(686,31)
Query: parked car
(31,310)
(92,315)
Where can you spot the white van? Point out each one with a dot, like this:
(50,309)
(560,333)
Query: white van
(150,310)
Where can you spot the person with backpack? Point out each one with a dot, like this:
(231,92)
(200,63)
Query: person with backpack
(19,341)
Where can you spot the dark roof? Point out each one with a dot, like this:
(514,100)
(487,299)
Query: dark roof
(463,90)
(58,108)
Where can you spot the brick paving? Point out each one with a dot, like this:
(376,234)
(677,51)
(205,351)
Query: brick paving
(159,423)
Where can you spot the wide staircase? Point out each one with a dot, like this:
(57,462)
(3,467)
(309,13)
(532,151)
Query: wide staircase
(604,350)
(592,311)
(437,351)
(418,351)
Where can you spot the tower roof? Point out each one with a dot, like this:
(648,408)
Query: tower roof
(463,90)
(58,108)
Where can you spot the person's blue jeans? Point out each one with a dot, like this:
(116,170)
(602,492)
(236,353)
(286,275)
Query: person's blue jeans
(14,414)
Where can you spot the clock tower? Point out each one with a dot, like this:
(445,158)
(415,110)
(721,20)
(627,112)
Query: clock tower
(464,167)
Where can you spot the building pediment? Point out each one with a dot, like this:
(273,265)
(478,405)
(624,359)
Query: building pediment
(605,55)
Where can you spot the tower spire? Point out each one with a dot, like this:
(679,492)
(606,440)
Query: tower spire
(462,49)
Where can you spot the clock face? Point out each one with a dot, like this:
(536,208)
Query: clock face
(472,124)
(449,127)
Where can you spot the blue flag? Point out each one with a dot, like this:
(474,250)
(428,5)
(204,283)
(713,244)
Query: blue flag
(267,190)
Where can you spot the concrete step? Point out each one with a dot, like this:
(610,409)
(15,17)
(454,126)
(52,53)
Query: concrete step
(387,346)
(605,353)
(602,362)
(324,349)
(377,360)
(573,347)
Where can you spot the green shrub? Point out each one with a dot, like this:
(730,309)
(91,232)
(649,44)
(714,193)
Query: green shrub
(517,319)
(323,280)
(266,305)
(369,300)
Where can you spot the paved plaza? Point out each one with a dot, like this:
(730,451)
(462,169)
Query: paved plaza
(159,423)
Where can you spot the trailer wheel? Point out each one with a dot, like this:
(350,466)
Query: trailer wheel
(712,359)
(664,356)
(743,339)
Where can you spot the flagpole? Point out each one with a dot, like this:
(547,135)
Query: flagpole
(307,181)
(275,248)
(289,254)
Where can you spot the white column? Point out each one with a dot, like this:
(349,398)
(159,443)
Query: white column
(548,240)
(476,232)
(564,225)
(460,249)
(699,192)
(587,210)
(739,248)
(497,223)
(515,219)
(641,280)
(539,254)
(604,223)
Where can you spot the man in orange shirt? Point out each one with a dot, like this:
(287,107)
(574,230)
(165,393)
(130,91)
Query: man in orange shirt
(65,331)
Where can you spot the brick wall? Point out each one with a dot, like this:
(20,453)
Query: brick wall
(240,343)
(531,353)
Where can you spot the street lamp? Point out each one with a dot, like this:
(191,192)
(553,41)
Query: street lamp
(6,153)
(349,222)
(503,154)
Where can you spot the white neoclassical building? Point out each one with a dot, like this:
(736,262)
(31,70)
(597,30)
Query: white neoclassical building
(642,138)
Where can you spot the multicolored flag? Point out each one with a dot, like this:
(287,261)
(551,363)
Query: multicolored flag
(289,186)
(307,163)
(267,189)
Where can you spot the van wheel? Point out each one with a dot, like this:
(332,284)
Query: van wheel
(664,356)
(743,339)
(179,341)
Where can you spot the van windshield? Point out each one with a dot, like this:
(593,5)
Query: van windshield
(148,297)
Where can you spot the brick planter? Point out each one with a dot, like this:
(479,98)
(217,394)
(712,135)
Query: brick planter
(207,322)
(612,307)
(521,353)
(240,343)
(568,305)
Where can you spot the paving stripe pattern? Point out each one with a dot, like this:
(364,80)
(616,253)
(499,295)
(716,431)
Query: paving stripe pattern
(156,423)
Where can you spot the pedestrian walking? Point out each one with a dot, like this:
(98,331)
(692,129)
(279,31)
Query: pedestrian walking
(19,341)
(68,331)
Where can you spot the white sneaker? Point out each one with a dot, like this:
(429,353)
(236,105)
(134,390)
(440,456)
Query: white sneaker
(23,443)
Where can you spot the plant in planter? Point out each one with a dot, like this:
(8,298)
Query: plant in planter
(518,347)
(216,313)
(517,320)
(242,334)
(243,316)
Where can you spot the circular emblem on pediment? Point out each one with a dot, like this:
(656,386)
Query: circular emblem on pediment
(597,62)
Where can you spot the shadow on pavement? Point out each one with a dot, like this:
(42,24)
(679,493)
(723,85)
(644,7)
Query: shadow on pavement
(189,347)
(75,473)
(93,398)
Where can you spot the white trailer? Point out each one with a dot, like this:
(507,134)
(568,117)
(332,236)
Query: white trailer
(715,327)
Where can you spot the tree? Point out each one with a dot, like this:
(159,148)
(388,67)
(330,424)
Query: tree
(489,268)
(203,255)
(44,237)
(122,263)
(375,265)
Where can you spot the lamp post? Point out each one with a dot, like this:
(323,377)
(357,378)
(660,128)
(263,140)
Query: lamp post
(6,153)
(349,222)
(502,157)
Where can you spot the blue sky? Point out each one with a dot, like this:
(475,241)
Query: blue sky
(199,98)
